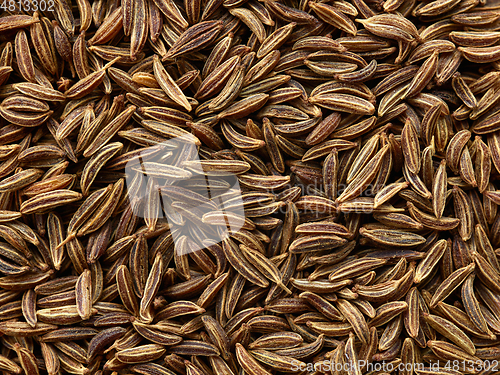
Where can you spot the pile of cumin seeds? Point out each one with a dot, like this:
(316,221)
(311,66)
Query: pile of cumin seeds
(351,151)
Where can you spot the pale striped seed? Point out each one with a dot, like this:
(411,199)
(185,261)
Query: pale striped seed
(432,256)
(439,190)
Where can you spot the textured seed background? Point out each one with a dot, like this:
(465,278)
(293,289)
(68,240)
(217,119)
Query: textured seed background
(365,136)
